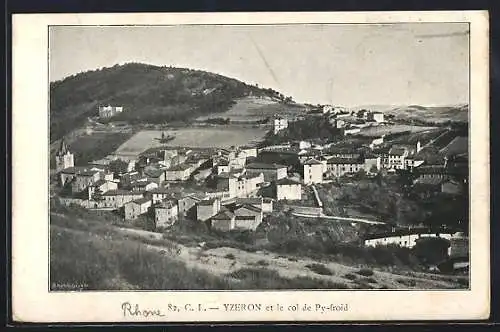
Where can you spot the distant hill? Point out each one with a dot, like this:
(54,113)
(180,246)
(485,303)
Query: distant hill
(427,114)
(148,94)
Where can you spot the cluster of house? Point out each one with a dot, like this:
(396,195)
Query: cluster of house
(146,186)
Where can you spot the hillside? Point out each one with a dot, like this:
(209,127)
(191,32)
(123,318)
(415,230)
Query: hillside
(424,114)
(148,94)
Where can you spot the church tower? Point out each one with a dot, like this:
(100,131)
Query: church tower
(64,158)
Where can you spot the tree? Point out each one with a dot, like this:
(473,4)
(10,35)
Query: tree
(97,195)
(118,166)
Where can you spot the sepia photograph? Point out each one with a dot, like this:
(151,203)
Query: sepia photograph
(315,156)
(208,158)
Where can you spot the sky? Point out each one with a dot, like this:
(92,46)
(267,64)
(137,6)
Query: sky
(340,64)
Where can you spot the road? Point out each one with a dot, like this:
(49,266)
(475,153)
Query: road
(324,216)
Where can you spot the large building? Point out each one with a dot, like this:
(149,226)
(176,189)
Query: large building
(64,157)
(109,111)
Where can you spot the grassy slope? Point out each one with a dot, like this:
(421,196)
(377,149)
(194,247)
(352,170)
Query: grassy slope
(149,94)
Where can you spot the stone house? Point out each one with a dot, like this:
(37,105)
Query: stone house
(180,172)
(166,213)
(223,221)
(271,172)
(118,198)
(247,217)
(135,208)
(288,189)
(206,209)
(312,171)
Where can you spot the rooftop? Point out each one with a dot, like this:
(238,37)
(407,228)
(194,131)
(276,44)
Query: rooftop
(224,214)
(264,166)
(312,161)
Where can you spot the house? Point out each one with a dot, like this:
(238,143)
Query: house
(166,213)
(337,167)
(432,172)
(178,173)
(407,238)
(312,171)
(109,111)
(101,186)
(280,124)
(372,164)
(249,151)
(64,158)
(351,130)
(247,217)
(339,123)
(376,116)
(223,221)
(187,201)
(396,158)
(223,166)
(208,208)
(118,198)
(143,185)
(271,172)
(155,175)
(288,189)
(84,179)
(159,194)
(239,184)
(135,208)
(376,142)
(267,205)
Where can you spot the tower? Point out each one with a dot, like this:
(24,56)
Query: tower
(64,158)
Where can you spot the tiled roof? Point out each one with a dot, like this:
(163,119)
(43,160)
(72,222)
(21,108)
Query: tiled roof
(264,166)
(224,214)
(312,162)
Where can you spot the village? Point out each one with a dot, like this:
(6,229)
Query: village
(236,187)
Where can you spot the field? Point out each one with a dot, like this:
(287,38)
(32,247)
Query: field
(192,137)
(391,129)
(251,109)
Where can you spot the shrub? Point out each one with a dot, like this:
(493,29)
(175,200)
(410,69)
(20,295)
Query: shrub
(365,272)
(320,269)
(350,276)
(230,256)
(407,282)
(262,263)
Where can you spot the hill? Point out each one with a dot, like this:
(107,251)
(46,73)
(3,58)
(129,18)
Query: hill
(423,114)
(148,94)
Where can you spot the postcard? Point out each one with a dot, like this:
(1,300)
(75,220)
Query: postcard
(243,167)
